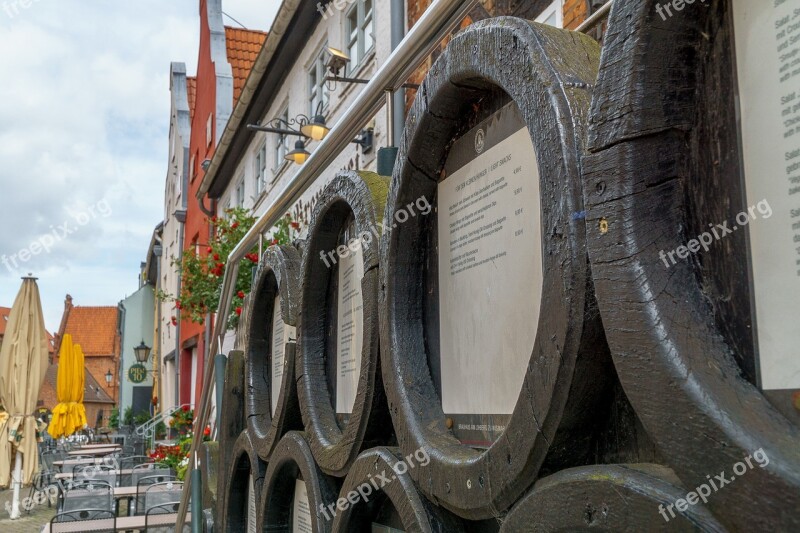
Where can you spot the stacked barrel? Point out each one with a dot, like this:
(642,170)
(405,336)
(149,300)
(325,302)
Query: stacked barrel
(482,342)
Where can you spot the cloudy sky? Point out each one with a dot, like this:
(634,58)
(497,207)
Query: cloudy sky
(84,120)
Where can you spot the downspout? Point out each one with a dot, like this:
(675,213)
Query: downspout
(180,216)
(158,251)
(122,314)
(398,10)
(210,317)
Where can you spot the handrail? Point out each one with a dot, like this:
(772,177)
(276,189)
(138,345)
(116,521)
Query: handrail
(148,429)
(441,17)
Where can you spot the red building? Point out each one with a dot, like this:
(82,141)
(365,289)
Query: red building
(225,58)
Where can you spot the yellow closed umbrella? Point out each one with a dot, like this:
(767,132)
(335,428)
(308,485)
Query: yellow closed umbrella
(69,415)
(23,364)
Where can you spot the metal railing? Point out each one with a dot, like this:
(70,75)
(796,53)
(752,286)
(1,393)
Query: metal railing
(148,429)
(441,17)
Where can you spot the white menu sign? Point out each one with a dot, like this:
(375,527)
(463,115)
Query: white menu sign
(281,334)
(768,65)
(301,513)
(490,273)
(350,330)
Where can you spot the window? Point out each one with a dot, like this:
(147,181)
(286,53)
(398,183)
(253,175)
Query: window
(360,38)
(240,193)
(209,129)
(192,167)
(281,143)
(318,90)
(261,168)
(553,14)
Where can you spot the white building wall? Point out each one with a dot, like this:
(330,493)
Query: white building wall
(294,93)
(175,196)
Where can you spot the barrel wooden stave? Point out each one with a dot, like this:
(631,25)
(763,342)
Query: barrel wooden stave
(608,498)
(362,194)
(550,80)
(417,513)
(245,463)
(231,424)
(278,274)
(292,458)
(681,369)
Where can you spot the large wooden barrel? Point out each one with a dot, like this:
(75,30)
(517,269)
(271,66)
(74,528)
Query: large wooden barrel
(295,490)
(615,498)
(244,480)
(693,228)
(378,494)
(492,353)
(269,330)
(338,369)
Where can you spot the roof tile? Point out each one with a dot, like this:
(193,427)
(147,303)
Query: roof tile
(94,328)
(243,48)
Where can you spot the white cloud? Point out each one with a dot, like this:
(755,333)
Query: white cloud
(84,117)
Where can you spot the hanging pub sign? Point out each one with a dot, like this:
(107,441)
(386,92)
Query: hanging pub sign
(137,373)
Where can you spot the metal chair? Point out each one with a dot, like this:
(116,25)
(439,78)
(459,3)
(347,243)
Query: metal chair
(128,462)
(98,472)
(161,493)
(103,521)
(87,494)
(145,482)
(70,468)
(164,508)
(150,470)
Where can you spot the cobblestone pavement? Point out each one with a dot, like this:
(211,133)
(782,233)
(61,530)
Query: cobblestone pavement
(27,523)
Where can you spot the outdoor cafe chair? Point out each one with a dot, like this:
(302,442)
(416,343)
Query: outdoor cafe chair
(70,467)
(128,462)
(99,472)
(144,483)
(161,493)
(150,470)
(164,508)
(104,521)
(87,494)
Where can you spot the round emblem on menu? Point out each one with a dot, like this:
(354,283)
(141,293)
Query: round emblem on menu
(480,140)
(137,373)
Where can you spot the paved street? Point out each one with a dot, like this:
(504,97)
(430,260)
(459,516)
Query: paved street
(28,523)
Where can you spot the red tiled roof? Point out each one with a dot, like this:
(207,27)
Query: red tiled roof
(94,328)
(191,91)
(243,48)
(5,312)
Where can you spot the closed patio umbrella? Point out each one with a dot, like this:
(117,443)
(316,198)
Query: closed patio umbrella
(23,364)
(69,415)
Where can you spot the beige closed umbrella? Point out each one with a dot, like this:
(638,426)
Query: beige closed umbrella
(23,364)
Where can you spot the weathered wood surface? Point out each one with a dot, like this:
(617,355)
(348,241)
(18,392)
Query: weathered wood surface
(292,460)
(361,195)
(665,162)
(278,274)
(245,463)
(616,498)
(548,73)
(396,488)
(231,424)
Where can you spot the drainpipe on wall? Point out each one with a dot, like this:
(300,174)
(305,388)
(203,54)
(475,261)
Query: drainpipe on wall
(158,251)
(180,216)
(122,314)
(396,101)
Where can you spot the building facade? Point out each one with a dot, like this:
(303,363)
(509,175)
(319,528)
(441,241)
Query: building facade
(136,321)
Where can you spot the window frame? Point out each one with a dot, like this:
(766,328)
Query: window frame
(556,7)
(260,168)
(362,25)
(316,83)
(281,146)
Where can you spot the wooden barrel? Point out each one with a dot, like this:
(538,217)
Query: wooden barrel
(269,342)
(492,354)
(690,239)
(244,480)
(339,380)
(295,490)
(610,498)
(379,495)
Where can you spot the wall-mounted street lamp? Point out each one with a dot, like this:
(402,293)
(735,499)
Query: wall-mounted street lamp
(339,60)
(309,128)
(142,352)
(109,378)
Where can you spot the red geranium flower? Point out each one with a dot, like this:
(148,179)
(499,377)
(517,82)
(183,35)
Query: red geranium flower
(207,431)
(239,311)
(210,250)
(234,225)
(185,408)
(174,321)
(296,225)
(216,257)
(240,294)
(275,242)
(178,304)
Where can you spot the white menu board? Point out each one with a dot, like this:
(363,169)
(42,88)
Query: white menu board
(490,270)
(768,66)
(350,330)
(281,334)
(301,513)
